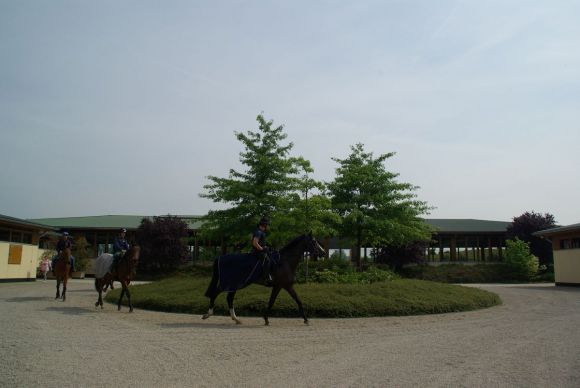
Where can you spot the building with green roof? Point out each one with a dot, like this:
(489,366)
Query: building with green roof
(453,239)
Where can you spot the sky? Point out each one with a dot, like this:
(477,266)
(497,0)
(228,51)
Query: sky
(125,107)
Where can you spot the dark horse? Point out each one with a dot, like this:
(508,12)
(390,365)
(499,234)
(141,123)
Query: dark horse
(126,269)
(62,271)
(283,276)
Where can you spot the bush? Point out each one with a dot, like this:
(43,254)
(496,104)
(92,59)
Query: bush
(459,273)
(185,294)
(81,252)
(371,275)
(163,243)
(523,264)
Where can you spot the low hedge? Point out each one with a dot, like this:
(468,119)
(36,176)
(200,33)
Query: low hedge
(459,273)
(184,293)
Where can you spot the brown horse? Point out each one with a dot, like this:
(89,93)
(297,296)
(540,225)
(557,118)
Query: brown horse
(125,271)
(62,272)
(283,277)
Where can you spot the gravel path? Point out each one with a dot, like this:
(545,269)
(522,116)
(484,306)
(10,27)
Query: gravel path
(532,340)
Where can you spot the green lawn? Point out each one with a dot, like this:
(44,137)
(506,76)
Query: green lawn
(185,294)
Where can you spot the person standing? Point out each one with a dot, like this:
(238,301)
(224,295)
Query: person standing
(45,266)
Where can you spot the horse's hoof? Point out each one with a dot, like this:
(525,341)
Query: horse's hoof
(306,322)
(118,308)
(97,304)
(130,310)
(267,323)
(205,316)
(238,322)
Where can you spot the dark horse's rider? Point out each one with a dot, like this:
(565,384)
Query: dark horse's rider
(261,249)
(120,246)
(62,244)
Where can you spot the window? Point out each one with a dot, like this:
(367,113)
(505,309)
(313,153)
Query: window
(570,243)
(27,238)
(4,235)
(15,254)
(16,237)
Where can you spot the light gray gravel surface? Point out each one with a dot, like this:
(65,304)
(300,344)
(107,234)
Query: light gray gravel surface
(532,340)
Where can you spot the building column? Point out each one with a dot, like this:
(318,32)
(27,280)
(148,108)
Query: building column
(453,253)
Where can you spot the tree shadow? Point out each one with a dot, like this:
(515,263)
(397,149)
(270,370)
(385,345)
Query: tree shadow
(70,310)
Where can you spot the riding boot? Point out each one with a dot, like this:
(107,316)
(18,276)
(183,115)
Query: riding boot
(266,277)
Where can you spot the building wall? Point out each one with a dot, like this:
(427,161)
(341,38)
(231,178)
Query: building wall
(567,266)
(28,265)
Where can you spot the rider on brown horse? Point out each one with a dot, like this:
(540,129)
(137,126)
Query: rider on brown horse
(62,244)
(260,248)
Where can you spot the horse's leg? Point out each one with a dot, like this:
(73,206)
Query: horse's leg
(99,287)
(121,297)
(296,298)
(230,299)
(57,288)
(212,291)
(64,289)
(211,306)
(128,292)
(273,296)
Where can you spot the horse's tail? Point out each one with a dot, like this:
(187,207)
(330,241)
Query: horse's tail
(212,288)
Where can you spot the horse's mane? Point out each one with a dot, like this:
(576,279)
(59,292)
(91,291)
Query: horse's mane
(293,243)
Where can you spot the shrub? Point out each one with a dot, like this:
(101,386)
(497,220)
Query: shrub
(371,275)
(163,243)
(523,264)
(81,252)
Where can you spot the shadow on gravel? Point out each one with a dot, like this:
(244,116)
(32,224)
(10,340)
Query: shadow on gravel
(224,326)
(566,289)
(87,291)
(71,310)
(29,299)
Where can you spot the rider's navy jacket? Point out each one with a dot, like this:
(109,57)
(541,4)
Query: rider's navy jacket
(261,235)
(120,244)
(61,245)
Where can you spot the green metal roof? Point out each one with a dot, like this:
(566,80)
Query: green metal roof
(108,222)
(25,223)
(193,222)
(446,225)
(558,230)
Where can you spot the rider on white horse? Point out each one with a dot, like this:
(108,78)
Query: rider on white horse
(120,246)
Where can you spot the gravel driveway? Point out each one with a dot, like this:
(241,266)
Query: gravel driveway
(533,339)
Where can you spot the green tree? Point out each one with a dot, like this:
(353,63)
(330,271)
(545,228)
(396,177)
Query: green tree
(273,184)
(518,257)
(376,210)
(81,252)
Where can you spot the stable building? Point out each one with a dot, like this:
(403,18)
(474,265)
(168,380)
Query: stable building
(19,248)
(452,240)
(566,247)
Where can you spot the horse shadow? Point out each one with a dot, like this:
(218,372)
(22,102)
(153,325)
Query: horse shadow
(70,310)
(204,325)
(19,299)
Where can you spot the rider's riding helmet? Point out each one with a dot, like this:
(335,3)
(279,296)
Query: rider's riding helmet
(65,234)
(122,230)
(265,221)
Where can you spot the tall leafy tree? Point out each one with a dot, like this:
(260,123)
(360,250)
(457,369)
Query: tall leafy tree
(272,183)
(163,242)
(375,208)
(525,225)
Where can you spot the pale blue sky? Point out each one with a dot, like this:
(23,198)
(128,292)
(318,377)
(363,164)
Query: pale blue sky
(124,107)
